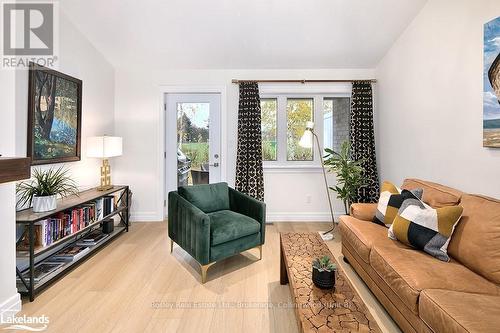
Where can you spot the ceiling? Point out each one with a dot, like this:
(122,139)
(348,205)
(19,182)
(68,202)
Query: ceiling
(242,34)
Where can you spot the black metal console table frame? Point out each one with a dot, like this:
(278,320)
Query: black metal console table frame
(28,217)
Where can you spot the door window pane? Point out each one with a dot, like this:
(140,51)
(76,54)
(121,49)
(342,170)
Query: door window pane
(299,111)
(268,107)
(193,143)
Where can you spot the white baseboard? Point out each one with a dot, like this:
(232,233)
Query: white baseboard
(11,306)
(301,217)
(146,217)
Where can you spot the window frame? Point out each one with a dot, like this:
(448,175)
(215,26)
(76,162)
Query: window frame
(281,126)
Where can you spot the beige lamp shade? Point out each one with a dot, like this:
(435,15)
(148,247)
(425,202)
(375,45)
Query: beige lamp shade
(104,146)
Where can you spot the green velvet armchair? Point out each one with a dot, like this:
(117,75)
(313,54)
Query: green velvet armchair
(212,222)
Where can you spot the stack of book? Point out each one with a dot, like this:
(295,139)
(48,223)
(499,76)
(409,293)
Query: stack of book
(64,223)
(93,238)
(70,253)
(43,270)
(68,222)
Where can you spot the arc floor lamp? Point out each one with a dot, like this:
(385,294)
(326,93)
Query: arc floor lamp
(306,141)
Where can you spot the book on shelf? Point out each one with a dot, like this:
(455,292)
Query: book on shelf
(70,253)
(43,270)
(63,224)
(93,238)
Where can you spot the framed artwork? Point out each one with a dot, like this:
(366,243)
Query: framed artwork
(54,116)
(491,84)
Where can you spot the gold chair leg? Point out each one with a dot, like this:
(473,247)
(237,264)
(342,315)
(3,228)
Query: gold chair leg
(204,269)
(260,252)
(171,246)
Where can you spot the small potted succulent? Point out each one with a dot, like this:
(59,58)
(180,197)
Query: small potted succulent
(323,273)
(43,189)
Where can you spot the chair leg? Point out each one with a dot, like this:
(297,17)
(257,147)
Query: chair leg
(204,269)
(260,252)
(171,246)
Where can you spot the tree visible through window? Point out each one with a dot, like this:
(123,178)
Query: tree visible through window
(269,107)
(299,111)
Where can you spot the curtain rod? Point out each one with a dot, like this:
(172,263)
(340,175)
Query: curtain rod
(301,81)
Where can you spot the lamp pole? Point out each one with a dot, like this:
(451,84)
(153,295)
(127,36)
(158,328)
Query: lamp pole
(326,182)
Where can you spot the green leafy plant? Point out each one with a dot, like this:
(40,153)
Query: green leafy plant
(349,173)
(324,264)
(54,181)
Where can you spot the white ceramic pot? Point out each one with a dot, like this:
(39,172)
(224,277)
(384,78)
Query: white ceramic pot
(44,204)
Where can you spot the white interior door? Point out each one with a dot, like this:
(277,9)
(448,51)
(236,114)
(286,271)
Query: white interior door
(192,140)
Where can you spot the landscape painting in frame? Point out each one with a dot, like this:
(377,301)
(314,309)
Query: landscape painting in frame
(491,82)
(54,116)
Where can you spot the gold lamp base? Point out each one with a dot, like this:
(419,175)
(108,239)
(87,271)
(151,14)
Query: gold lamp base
(105,176)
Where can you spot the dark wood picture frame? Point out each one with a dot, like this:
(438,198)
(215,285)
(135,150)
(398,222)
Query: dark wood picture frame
(34,68)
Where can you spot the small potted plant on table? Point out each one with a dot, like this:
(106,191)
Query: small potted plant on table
(43,189)
(323,273)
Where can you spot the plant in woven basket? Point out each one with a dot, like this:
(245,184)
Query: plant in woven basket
(44,187)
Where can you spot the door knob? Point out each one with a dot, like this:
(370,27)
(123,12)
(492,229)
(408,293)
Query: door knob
(216,164)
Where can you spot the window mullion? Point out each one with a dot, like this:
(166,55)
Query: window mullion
(282,129)
(318,126)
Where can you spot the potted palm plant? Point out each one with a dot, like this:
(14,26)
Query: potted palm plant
(42,190)
(349,173)
(323,273)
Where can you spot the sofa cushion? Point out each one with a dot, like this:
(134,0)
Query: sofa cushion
(362,235)
(226,225)
(207,197)
(435,195)
(390,201)
(476,240)
(363,211)
(425,228)
(407,272)
(454,312)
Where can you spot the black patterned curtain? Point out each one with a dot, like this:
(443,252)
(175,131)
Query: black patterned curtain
(363,139)
(249,175)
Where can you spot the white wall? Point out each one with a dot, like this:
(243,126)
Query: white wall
(138,120)
(9,298)
(430,99)
(77,58)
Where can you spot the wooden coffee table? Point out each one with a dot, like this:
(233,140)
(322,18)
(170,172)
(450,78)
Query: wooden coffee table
(318,310)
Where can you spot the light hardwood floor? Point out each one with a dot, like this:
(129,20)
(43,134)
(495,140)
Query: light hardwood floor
(133,284)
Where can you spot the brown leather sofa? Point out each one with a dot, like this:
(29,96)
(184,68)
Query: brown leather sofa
(424,294)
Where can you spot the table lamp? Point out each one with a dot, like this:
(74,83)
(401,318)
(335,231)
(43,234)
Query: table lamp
(306,141)
(104,147)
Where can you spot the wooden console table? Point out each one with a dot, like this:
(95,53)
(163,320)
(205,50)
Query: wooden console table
(319,310)
(26,261)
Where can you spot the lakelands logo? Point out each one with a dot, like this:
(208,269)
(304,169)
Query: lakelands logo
(29,33)
(26,323)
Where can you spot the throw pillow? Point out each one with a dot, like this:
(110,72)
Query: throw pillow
(426,228)
(391,199)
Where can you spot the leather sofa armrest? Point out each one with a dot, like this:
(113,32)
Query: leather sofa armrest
(364,211)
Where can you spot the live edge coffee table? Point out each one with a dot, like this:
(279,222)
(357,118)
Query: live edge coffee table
(318,310)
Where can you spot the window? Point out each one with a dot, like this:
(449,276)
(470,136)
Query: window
(298,113)
(269,108)
(284,119)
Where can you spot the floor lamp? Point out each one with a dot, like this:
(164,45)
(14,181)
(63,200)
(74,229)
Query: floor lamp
(307,142)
